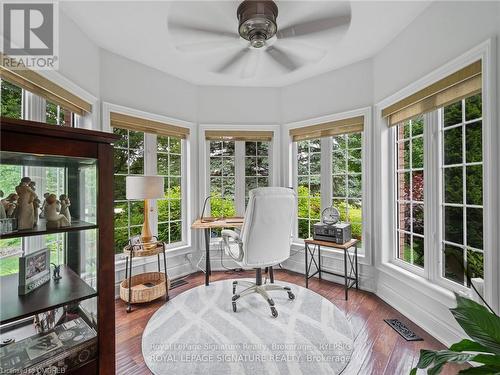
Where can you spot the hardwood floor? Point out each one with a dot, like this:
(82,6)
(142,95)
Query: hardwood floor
(378,349)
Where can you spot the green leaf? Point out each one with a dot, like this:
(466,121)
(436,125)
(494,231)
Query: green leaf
(486,359)
(467,345)
(413,371)
(426,358)
(481,370)
(481,325)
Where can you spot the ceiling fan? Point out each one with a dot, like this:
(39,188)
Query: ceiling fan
(258,26)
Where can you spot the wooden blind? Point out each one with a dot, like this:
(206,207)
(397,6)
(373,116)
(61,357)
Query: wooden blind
(461,84)
(230,135)
(329,129)
(119,120)
(41,86)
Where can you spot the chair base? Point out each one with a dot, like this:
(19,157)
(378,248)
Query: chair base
(262,290)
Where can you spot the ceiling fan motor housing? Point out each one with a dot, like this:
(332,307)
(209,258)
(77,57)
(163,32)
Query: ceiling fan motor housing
(257,21)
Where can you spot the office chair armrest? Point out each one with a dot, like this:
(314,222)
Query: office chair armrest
(226,234)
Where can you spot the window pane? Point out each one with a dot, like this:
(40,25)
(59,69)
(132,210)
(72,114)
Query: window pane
(315,163)
(121,214)
(136,212)
(303,228)
(453,185)
(119,185)
(355,217)
(418,186)
(475,263)
(453,114)
(123,140)
(453,146)
(475,184)
(175,165)
(354,161)
(418,251)
(403,186)
(250,148)
(417,126)
(474,142)
(403,149)
(454,263)
(136,162)
(354,186)
(417,153)
(120,161)
(338,162)
(175,145)
(354,140)
(404,247)
(136,140)
(11,96)
(121,239)
(302,164)
(262,166)
(404,214)
(418,218)
(473,107)
(162,210)
(215,166)
(339,186)
(215,148)
(263,148)
(162,164)
(175,231)
(453,224)
(228,167)
(162,144)
(475,227)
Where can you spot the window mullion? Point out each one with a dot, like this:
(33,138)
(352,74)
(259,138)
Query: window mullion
(239,177)
(326,172)
(150,168)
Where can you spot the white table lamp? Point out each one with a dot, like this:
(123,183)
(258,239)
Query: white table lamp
(145,187)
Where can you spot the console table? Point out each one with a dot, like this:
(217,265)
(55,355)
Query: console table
(311,246)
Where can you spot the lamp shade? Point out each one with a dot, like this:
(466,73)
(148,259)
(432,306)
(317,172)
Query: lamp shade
(144,187)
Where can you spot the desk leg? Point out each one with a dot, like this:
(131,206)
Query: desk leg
(129,307)
(319,261)
(167,297)
(207,256)
(271,274)
(356,264)
(306,249)
(345,273)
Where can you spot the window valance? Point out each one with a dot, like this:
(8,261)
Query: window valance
(120,120)
(41,86)
(234,135)
(461,84)
(329,129)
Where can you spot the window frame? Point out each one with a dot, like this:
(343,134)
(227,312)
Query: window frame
(290,175)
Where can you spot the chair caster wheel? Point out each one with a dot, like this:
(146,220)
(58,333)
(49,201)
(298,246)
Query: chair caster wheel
(274,312)
(291,295)
(234,288)
(129,309)
(234,306)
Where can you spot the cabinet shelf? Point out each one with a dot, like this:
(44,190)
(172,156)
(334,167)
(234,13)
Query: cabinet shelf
(70,289)
(41,229)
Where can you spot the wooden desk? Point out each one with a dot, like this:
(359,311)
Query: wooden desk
(345,247)
(212,223)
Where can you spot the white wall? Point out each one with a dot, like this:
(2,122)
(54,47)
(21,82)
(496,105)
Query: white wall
(79,56)
(131,84)
(338,91)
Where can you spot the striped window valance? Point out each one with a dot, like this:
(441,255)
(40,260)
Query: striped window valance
(459,85)
(119,120)
(39,85)
(329,129)
(234,135)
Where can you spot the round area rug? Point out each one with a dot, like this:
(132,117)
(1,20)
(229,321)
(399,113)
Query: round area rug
(197,332)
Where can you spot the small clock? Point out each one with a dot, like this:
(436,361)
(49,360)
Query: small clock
(330,215)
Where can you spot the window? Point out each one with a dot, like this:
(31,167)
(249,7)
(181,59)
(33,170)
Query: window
(222,178)
(170,209)
(462,187)
(308,185)
(410,191)
(12,100)
(347,179)
(128,160)
(56,115)
(256,166)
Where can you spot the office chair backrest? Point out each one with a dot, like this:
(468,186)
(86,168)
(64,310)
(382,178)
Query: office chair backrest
(267,229)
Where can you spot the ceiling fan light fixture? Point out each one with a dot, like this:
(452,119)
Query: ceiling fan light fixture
(257,21)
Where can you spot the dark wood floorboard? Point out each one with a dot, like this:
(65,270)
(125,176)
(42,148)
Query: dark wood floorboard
(378,349)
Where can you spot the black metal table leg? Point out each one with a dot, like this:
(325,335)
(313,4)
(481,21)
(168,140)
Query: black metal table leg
(306,249)
(319,261)
(345,273)
(356,264)
(271,275)
(207,256)
(129,307)
(167,297)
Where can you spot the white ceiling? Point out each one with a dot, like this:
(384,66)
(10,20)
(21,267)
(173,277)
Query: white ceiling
(146,31)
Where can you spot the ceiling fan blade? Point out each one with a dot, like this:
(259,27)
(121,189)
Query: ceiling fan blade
(179,26)
(252,63)
(235,58)
(305,51)
(282,58)
(315,26)
(211,45)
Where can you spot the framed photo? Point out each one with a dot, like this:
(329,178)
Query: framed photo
(34,270)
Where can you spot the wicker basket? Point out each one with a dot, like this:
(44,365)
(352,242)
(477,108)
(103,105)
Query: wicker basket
(141,293)
(143,250)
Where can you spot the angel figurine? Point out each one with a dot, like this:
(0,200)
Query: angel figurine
(65,203)
(25,211)
(36,203)
(54,218)
(43,212)
(9,204)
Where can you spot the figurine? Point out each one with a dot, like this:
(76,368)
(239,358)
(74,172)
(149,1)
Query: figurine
(57,272)
(65,203)
(54,218)
(25,210)
(36,203)
(3,214)
(9,204)
(43,212)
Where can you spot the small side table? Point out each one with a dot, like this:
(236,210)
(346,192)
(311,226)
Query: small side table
(311,246)
(133,293)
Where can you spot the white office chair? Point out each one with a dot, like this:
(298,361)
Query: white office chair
(264,240)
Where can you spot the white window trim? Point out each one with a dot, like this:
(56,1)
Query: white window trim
(491,140)
(187,188)
(239,167)
(290,172)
